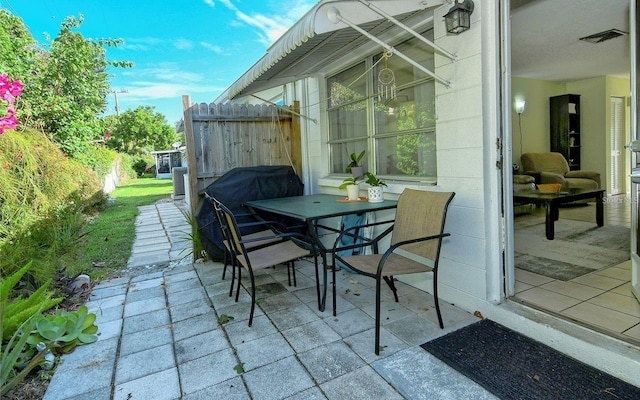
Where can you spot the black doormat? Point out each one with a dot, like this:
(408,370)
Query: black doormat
(513,366)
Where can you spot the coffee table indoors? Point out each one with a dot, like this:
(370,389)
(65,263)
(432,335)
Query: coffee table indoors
(552,201)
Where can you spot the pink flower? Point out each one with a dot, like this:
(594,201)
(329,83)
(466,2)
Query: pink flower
(9,90)
(8,122)
(16,88)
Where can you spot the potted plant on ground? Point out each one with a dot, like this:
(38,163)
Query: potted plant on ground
(351,184)
(375,188)
(354,166)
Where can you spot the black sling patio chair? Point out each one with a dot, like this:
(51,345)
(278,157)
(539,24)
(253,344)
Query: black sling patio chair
(268,236)
(284,251)
(418,229)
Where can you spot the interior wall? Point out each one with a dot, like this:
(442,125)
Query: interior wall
(619,87)
(593,135)
(531,129)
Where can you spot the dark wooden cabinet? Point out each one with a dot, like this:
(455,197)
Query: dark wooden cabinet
(565,127)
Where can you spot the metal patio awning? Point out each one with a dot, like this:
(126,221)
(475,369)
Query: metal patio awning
(318,39)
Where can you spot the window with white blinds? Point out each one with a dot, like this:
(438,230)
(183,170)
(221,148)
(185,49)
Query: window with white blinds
(617,137)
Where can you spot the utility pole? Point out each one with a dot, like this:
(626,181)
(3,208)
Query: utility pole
(115,95)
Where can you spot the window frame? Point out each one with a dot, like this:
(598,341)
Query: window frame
(372,134)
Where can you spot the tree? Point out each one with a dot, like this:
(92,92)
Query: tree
(17,47)
(71,86)
(140,130)
(65,85)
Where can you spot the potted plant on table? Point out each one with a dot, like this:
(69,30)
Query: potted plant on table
(354,167)
(353,189)
(375,188)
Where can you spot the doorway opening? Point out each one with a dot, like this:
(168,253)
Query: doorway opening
(584,273)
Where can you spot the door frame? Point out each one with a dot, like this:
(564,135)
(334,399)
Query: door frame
(634,12)
(508,240)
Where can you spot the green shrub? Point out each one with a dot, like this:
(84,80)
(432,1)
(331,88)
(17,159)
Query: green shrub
(36,178)
(42,197)
(13,354)
(141,163)
(16,309)
(125,167)
(99,158)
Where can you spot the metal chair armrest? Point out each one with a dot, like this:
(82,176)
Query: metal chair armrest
(394,247)
(365,241)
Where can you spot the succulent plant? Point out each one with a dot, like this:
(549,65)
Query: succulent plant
(66,329)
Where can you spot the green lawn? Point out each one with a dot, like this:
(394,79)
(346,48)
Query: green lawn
(109,236)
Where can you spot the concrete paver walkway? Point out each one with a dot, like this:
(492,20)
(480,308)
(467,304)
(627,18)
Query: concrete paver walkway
(160,337)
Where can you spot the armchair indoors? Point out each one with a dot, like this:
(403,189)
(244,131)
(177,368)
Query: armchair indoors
(418,230)
(553,168)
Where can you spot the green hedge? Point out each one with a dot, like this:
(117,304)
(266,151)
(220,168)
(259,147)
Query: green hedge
(42,196)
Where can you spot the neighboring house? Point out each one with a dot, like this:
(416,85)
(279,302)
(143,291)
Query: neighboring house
(166,160)
(446,131)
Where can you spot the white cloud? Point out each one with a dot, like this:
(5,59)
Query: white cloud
(151,44)
(163,81)
(149,90)
(212,47)
(271,27)
(183,44)
(141,44)
(210,3)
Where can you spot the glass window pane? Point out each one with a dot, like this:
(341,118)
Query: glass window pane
(348,122)
(347,86)
(340,155)
(411,155)
(413,108)
(403,72)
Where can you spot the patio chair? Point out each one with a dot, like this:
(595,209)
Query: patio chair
(418,229)
(284,251)
(268,236)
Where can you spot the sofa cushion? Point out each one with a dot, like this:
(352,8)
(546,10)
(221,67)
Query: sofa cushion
(581,183)
(547,162)
(523,179)
(553,168)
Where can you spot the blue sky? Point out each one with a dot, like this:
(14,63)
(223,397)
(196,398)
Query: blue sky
(194,47)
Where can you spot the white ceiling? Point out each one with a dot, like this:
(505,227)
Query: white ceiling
(545,37)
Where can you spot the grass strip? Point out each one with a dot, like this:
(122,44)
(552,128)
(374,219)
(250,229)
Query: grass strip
(108,237)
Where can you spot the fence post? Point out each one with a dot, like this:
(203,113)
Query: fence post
(192,168)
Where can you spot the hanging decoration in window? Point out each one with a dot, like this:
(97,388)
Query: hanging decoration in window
(386,81)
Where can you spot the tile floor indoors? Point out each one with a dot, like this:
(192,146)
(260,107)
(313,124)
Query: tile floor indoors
(601,300)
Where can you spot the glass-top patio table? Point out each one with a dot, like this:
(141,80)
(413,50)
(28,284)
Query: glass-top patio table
(310,210)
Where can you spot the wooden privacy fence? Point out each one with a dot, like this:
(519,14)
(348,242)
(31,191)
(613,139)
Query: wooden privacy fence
(220,137)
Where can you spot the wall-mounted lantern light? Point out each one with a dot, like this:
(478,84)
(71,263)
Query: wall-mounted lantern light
(520,106)
(458,19)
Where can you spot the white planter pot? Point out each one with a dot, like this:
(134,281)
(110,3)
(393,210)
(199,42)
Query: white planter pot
(375,194)
(353,192)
